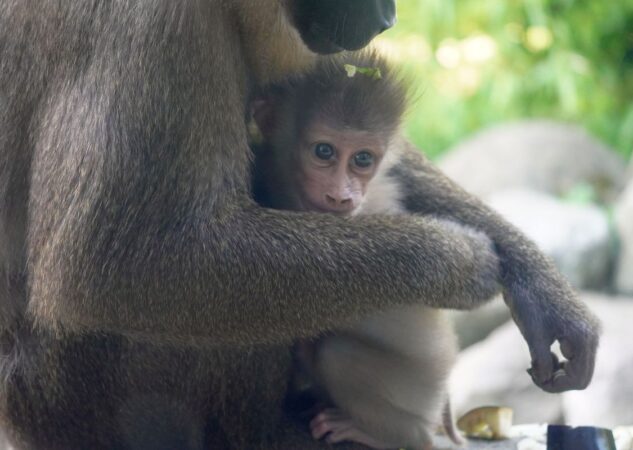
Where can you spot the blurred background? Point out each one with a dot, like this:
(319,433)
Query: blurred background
(480,62)
(529,104)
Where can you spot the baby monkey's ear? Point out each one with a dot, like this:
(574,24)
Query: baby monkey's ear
(263,111)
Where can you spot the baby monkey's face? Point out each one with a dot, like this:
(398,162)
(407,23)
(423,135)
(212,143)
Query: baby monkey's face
(336,166)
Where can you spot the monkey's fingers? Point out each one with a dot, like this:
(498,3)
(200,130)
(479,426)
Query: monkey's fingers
(577,371)
(341,433)
(543,361)
(325,422)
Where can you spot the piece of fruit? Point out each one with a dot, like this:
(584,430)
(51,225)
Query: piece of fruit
(487,422)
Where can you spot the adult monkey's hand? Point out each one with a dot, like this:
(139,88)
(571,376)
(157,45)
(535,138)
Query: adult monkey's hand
(541,301)
(546,310)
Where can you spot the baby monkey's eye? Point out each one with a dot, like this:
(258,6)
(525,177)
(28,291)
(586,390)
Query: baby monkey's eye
(324,151)
(363,159)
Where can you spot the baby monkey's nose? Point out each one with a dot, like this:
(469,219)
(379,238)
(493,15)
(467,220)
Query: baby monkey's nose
(339,202)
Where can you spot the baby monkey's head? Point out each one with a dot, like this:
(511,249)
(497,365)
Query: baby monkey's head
(328,131)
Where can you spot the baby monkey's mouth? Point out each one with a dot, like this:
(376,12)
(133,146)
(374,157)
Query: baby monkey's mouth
(307,205)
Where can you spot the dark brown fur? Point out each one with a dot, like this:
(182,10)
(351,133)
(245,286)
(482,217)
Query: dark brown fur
(325,93)
(142,290)
(345,100)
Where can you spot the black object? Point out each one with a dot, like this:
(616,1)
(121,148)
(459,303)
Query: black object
(329,26)
(562,437)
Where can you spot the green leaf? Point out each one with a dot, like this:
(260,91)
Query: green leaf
(371,72)
(350,69)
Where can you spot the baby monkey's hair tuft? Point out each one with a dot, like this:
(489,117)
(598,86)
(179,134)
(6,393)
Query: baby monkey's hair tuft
(373,99)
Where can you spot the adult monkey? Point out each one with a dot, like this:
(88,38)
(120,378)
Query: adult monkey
(146,301)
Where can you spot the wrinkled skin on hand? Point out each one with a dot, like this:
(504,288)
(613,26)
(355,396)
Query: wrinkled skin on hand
(541,301)
(562,318)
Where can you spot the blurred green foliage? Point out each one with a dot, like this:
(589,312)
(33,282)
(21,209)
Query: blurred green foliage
(480,62)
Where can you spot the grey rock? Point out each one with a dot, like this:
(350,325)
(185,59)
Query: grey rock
(492,372)
(543,155)
(610,394)
(577,237)
(473,326)
(624,224)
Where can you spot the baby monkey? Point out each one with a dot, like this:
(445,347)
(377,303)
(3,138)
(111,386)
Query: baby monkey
(328,138)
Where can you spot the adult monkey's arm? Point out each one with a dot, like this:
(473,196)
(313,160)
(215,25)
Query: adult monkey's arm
(541,301)
(139,217)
